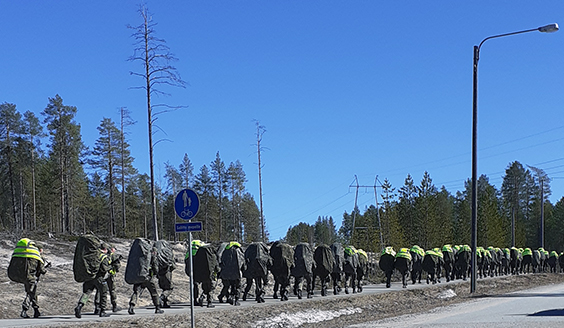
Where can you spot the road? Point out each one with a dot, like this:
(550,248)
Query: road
(179,308)
(538,307)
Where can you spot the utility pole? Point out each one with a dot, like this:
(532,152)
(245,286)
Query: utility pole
(378,212)
(354,209)
(542,212)
(357,186)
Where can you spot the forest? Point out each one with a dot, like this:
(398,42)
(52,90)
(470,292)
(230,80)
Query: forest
(431,217)
(67,187)
(64,186)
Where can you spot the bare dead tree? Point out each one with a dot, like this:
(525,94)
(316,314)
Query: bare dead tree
(156,57)
(260,131)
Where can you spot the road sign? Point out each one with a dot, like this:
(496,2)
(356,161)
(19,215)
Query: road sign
(186,204)
(188,227)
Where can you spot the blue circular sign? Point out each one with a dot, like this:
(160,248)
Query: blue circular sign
(186,204)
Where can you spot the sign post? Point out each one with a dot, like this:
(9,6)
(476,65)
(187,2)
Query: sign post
(186,206)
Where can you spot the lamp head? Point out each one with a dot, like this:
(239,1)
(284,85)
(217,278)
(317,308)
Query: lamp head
(549,28)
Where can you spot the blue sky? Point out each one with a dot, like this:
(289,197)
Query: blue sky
(343,88)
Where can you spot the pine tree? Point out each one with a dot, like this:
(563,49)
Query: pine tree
(463,215)
(491,227)
(106,155)
(10,128)
(34,131)
(187,172)
(250,219)
(65,151)
(516,193)
(407,211)
(204,186)
(236,182)
(219,179)
(125,168)
(445,217)
(426,224)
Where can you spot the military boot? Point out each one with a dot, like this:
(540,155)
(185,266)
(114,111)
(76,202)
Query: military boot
(157,306)
(103,313)
(283,294)
(210,305)
(23,314)
(77,310)
(115,307)
(96,308)
(130,310)
(36,313)
(164,302)
(200,300)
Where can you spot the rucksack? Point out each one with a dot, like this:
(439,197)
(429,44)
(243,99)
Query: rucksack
(18,267)
(138,269)
(205,264)
(86,258)
(165,256)
(303,260)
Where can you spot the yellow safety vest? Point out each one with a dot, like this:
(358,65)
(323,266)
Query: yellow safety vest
(404,252)
(26,248)
(233,243)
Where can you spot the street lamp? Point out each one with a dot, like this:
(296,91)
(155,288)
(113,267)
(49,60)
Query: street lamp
(546,29)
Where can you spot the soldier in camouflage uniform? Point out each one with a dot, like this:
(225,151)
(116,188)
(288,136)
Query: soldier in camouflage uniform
(99,283)
(150,284)
(115,263)
(27,258)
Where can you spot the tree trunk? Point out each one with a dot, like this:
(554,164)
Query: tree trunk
(124,221)
(33,185)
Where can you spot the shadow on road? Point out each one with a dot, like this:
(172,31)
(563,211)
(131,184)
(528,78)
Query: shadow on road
(548,313)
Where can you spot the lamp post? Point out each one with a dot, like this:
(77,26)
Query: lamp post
(546,29)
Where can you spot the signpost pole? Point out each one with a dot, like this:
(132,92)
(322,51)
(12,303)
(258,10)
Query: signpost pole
(186,206)
(191,280)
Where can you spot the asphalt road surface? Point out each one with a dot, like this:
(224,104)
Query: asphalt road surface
(538,307)
(87,314)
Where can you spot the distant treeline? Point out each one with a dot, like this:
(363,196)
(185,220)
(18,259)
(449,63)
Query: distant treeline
(431,217)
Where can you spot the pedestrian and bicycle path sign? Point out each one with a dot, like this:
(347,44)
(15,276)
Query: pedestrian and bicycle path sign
(186,206)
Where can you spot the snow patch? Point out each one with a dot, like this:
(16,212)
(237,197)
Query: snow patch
(447,294)
(299,318)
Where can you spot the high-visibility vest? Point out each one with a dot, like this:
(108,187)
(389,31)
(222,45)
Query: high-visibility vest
(350,250)
(404,253)
(233,243)
(418,250)
(26,248)
(389,250)
(447,248)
